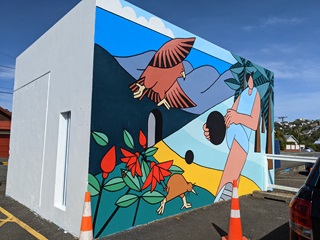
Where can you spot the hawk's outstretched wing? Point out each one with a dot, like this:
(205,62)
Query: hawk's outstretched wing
(172,53)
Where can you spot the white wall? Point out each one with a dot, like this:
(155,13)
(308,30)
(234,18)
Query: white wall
(53,75)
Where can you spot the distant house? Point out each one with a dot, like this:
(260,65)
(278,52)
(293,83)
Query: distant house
(314,124)
(5,124)
(292,144)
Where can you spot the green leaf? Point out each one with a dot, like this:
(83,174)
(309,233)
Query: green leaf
(128,140)
(232,83)
(238,58)
(145,171)
(100,138)
(236,77)
(151,151)
(251,69)
(237,70)
(115,184)
(93,185)
(126,200)
(132,182)
(153,197)
(261,70)
(176,170)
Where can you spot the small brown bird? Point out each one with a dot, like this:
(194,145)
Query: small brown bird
(159,80)
(177,186)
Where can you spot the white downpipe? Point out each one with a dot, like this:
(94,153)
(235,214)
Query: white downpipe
(266,175)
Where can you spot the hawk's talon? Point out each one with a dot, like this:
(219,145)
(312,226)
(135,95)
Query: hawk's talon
(139,92)
(165,103)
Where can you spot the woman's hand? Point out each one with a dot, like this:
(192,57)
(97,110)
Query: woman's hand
(206,132)
(231,117)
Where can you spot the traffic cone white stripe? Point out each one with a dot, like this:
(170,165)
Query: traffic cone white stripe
(86,235)
(235,213)
(87,209)
(235,192)
(235,228)
(86,231)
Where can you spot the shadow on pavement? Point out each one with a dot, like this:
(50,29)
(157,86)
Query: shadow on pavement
(220,231)
(282,231)
(304,173)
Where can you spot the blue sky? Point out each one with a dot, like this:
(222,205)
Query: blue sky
(282,36)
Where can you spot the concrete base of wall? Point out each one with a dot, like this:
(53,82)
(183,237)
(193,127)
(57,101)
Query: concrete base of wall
(278,196)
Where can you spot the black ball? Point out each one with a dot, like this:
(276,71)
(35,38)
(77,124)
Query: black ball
(189,157)
(217,127)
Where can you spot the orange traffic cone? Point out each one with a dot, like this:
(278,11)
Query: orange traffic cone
(86,232)
(235,228)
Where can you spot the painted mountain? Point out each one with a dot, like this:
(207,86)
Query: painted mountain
(203,85)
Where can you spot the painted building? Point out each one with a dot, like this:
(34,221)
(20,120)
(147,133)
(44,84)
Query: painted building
(151,119)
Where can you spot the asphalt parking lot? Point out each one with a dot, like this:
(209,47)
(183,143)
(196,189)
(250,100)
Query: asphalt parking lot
(263,216)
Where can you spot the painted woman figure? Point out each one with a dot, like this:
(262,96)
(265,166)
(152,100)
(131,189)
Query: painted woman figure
(240,120)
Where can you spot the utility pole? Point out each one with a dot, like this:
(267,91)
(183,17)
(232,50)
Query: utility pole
(282,118)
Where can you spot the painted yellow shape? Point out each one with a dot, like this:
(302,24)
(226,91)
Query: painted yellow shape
(204,177)
(12,218)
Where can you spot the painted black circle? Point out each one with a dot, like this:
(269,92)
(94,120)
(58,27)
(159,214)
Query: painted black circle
(217,127)
(189,157)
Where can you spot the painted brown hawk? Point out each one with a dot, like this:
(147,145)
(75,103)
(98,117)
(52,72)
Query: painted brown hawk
(159,80)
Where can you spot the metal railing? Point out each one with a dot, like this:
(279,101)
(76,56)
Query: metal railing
(291,158)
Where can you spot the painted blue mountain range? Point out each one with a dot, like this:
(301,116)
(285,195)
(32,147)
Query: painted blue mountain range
(203,85)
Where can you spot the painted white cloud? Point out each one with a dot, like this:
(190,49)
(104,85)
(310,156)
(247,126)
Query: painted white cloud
(153,23)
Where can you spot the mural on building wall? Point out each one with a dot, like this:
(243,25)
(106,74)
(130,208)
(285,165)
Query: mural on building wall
(168,119)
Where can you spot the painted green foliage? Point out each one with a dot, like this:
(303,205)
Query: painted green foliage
(138,172)
(100,138)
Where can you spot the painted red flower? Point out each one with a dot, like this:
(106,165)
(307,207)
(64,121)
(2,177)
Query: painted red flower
(142,139)
(108,162)
(132,162)
(158,173)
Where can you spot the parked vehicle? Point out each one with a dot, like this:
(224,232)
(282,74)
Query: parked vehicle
(308,149)
(308,166)
(304,220)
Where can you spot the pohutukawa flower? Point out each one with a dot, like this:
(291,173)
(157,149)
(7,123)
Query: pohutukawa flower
(158,173)
(132,162)
(108,162)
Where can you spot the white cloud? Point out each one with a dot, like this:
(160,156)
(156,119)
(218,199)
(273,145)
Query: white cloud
(6,75)
(279,49)
(288,62)
(297,105)
(153,23)
(281,21)
(294,70)
(248,28)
